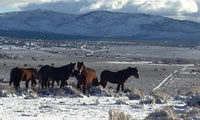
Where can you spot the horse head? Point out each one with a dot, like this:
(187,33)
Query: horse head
(134,72)
(80,67)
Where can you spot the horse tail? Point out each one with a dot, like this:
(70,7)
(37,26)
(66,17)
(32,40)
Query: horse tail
(40,78)
(15,77)
(103,81)
(11,77)
(101,78)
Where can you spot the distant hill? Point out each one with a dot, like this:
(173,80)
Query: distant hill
(47,24)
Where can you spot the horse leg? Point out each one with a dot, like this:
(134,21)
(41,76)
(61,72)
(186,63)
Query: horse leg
(48,83)
(16,84)
(52,83)
(66,83)
(104,84)
(122,87)
(88,88)
(58,82)
(27,83)
(118,87)
(78,85)
(42,84)
(32,84)
(84,89)
(62,84)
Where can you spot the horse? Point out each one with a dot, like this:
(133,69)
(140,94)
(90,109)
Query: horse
(78,77)
(23,74)
(87,77)
(119,77)
(30,74)
(49,73)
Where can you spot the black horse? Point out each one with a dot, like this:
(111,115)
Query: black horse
(118,77)
(49,73)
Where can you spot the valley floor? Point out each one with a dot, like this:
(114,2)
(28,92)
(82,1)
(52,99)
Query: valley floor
(172,79)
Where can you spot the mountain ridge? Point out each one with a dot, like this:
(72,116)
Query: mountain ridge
(100,24)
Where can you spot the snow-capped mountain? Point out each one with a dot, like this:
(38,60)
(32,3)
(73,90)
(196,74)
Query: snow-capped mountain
(101,24)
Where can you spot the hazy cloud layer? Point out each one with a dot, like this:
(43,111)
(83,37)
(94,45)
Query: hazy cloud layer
(189,9)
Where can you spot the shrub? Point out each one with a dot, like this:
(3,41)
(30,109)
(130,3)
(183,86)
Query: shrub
(168,113)
(100,91)
(193,100)
(148,100)
(193,114)
(134,94)
(160,97)
(117,115)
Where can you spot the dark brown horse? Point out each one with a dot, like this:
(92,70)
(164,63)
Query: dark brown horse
(118,77)
(23,74)
(78,77)
(49,73)
(86,77)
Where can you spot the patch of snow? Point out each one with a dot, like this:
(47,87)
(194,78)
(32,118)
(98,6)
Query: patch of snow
(23,107)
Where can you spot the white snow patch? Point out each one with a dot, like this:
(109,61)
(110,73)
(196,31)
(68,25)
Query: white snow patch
(86,108)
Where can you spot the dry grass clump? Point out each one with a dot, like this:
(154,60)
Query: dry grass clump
(121,102)
(68,91)
(148,100)
(193,114)
(168,113)
(193,100)
(100,91)
(118,115)
(3,93)
(192,91)
(160,97)
(134,94)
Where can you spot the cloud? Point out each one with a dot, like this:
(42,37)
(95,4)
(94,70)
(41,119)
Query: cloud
(153,6)
(176,8)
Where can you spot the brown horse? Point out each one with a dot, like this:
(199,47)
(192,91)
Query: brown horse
(86,77)
(118,77)
(29,74)
(23,74)
(49,73)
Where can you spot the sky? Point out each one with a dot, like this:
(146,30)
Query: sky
(179,9)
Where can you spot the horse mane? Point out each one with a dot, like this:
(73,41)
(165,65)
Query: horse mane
(64,67)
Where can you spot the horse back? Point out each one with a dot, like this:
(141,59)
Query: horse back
(91,72)
(26,74)
(107,73)
(110,76)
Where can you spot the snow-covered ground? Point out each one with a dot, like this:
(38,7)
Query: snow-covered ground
(34,107)
(30,105)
